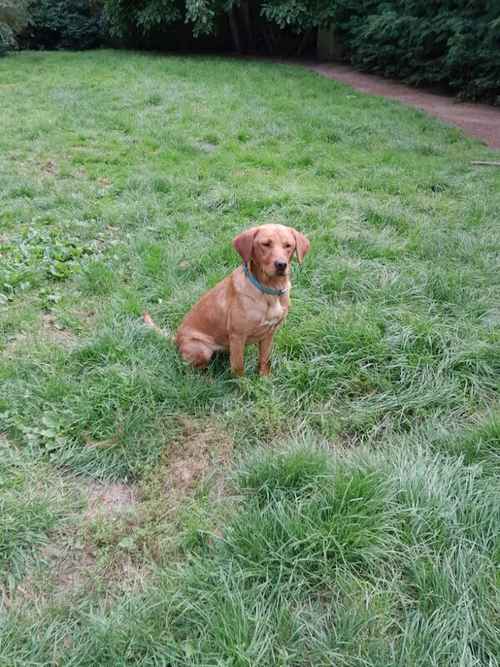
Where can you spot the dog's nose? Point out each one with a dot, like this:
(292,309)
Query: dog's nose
(280,266)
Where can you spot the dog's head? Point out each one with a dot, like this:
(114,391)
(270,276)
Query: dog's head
(272,247)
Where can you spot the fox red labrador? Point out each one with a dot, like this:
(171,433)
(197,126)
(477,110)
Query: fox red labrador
(249,305)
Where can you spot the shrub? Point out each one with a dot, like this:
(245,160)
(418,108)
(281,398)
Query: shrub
(452,43)
(64,24)
(13,18)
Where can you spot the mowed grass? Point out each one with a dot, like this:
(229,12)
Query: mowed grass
(345,511)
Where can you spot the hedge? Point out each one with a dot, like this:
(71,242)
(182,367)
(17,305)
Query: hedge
(450,43)
(64,24)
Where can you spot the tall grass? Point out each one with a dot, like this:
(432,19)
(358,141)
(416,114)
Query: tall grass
(368,558)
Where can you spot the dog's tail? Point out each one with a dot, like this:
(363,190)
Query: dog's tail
(148,321)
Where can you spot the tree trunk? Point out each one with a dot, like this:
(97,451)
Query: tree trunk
(303,42)
(235,33)
(247,22)
(268,39)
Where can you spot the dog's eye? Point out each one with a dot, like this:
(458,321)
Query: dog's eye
(267,244)
(288,246)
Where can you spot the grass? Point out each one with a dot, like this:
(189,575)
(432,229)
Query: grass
(344,511)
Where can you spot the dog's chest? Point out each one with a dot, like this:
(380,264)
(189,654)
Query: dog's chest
(273,315)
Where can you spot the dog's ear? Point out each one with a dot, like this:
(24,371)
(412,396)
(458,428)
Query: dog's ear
(243,243)
(301,245)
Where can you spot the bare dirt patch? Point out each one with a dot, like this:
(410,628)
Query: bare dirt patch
(117,531)
(69,563)
(55,332)
(108,499)
(48,329)
(50,167)
(203,451)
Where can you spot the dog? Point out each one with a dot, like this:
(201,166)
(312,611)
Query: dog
(248,306)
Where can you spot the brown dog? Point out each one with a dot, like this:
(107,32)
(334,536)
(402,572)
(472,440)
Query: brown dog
(249,305)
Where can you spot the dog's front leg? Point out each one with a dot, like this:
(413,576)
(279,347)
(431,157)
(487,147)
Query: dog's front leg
(264,355)
(237,353)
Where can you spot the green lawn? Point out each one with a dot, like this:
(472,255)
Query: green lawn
(344,512)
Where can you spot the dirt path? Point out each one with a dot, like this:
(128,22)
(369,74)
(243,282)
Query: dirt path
(476,120)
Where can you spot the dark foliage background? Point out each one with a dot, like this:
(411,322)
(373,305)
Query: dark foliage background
(64,24)
(452,43)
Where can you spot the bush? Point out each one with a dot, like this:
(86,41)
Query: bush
(64,24)
(13,18)
(452,43)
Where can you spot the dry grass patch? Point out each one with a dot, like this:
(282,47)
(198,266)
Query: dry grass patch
(110,500)
(56,333)
(76,560)
(125,530)
(48,330)
(202,453)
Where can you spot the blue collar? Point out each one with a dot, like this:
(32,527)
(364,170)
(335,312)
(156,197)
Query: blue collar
(260,286)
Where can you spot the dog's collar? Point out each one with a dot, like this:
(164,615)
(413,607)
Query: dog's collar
(260,286)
